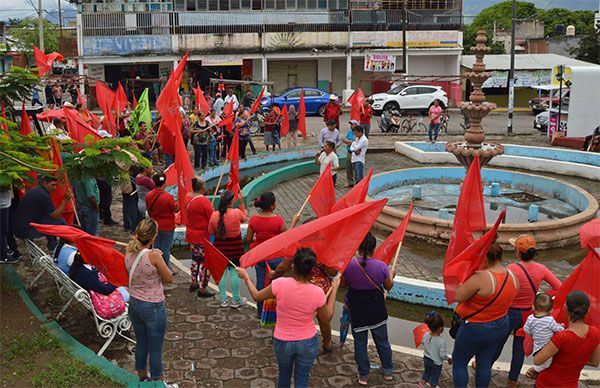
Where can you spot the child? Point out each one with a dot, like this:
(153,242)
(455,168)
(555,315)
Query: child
(434,350)
(541,326)
(212,147)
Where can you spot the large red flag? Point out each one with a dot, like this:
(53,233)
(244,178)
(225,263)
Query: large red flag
(63,185)
(256,103)
(334,238)
(356,195)
(459,268)
(105,97)
(589,234)
(387,250)
(96,251)
(470,213)
(214,260)
(95,123)
(285,122)
(134,99)
(419,332)
(185,173)
(302,115)
(166,139)
(234,169)
(356,101)
(227,122)
(44,61)
(322,194)
(79,129)
(25,125)
(201,102)
(168,102)
(119,101)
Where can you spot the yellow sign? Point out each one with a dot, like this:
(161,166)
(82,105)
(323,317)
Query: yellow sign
(567,75)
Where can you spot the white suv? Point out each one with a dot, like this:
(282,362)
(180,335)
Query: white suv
(408,98)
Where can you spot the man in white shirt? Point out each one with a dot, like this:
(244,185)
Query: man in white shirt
(359,150)
(232,97)
(330,133)
(218,104)
(328,156)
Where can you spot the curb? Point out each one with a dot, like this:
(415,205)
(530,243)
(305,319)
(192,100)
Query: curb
(74,347)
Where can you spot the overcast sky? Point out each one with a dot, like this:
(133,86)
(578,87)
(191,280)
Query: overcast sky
(24,8)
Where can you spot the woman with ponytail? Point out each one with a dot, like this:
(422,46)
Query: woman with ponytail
(147,311)
(366,279)
(225,225)
(572,349)
(261,227)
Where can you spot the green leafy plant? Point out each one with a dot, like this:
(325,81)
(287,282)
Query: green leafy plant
(25,33)
(16,86)
(20,155)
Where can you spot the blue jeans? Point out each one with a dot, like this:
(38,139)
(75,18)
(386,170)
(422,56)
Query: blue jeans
(89,218)
(297,357)
(164,242)
(212,153)
(149,322)
(515,317)
(359,171)
(384,350)
(200,154)
(261,272)
(432,372)
(367,128)
(130,211)
(480,340)
(433,130)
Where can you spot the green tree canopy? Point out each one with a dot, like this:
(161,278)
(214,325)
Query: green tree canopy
(589,47)
(26,32)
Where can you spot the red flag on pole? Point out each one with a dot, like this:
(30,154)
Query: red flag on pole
(229,117)
(119,101)
(356,195)
(166,138)
(201,102)
(95,123)
(105,97)
(386,251)
(44,61)
(322,194)
(79,129)
(302,115)
(256,103)
(356,101)
(25,125)
(168,102)
(458,269)
(470,214)
(96,251)
(185,173)
(285,122)
(214,260)
(62,186)
(589,234)
(419,333)
(334,238)
(234,168)
(134,99)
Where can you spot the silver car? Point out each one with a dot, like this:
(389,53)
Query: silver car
(541,121)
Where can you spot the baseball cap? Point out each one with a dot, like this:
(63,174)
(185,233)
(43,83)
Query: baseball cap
(354,122)
(523,243)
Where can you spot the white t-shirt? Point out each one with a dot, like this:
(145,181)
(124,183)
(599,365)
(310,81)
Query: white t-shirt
(233,98)
(362,143)
(325,159)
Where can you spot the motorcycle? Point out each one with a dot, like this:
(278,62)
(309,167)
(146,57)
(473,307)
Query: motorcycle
(390,121)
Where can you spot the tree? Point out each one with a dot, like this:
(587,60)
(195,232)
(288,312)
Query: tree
(589,47)
(16,86)
(582,20)
(26,33)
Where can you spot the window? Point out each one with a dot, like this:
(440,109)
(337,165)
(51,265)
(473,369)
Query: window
(179,5)
(224,5)
(294,94)
(269,4)
(190,5)
(280,4)
(301,4)
(395,90)
(291,4)
(213,5)
(322,4)
(246,4)
(410,91)
(235,4)
(311,4)
(312,93)
(426,90)
(202,4)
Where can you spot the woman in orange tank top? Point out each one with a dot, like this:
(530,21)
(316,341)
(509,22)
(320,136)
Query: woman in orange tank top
(484,300)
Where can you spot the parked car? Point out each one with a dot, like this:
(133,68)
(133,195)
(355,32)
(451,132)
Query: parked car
(314,100)
(540,104)
(408,98)
(541,121)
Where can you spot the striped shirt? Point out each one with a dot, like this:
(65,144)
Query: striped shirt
(542,329)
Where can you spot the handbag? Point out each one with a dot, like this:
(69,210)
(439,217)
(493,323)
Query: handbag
(108,306)
(457,320)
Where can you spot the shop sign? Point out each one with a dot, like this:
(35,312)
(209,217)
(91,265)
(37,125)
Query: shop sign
(380,63)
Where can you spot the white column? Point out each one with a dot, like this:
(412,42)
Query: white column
(263,68)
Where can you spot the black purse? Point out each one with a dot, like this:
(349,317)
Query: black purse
(457,320)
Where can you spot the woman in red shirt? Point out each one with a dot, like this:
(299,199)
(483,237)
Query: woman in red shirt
(571,349)
(161,207)
(199,210)
(263,226)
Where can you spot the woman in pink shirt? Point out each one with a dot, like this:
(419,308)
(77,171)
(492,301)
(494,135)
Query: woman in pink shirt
(530,275)
(225,225)
(295,342)
(435,112)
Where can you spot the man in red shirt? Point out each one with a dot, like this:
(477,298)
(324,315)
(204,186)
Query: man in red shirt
(161,207)
(365,115)
(333,110)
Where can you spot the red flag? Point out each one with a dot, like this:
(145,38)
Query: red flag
(95,123)
(387,250)
(256,103)
(459,268)
(168,102)
(4,127)
(96,251)
(119,101)
(61,188)
(221,86)
(105,97)
(356,100)
(166,139)
(25,125)
(419,332)
(44,61)
(356,195)
(322,194)
(234,168)
(589,234)
(214,260)
(229,117)
(201,102)
(285,122)
(470,213)
(584,278)
(334,238)
(79,129)
(185,173)
(302,115)
(134,99)
(171,175)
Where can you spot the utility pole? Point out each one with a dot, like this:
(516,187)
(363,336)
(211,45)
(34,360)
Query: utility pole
(511,72)
(60,21)
(404,28)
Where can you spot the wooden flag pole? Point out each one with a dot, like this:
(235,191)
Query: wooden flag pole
(396,256)
(75,211)
(301,210)
(122,244)
(339,274)
(219,181)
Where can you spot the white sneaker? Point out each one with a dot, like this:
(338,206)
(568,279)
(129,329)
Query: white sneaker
(238,304)
(225,303)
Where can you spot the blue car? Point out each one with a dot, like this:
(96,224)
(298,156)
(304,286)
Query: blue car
(314,100)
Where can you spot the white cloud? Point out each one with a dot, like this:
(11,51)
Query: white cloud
(23,8)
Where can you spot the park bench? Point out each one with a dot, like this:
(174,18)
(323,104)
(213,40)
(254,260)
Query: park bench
(70,291)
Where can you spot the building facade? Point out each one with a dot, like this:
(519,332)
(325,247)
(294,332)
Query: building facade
(309,43)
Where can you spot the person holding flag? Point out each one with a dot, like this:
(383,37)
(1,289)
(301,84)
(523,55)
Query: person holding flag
(161,207)
(366,113)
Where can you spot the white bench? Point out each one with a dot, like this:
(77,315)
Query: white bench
(69,291)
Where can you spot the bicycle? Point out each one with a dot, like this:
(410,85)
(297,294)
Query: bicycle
(410,123)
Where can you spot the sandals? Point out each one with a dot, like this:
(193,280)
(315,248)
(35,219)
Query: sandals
(363,380)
